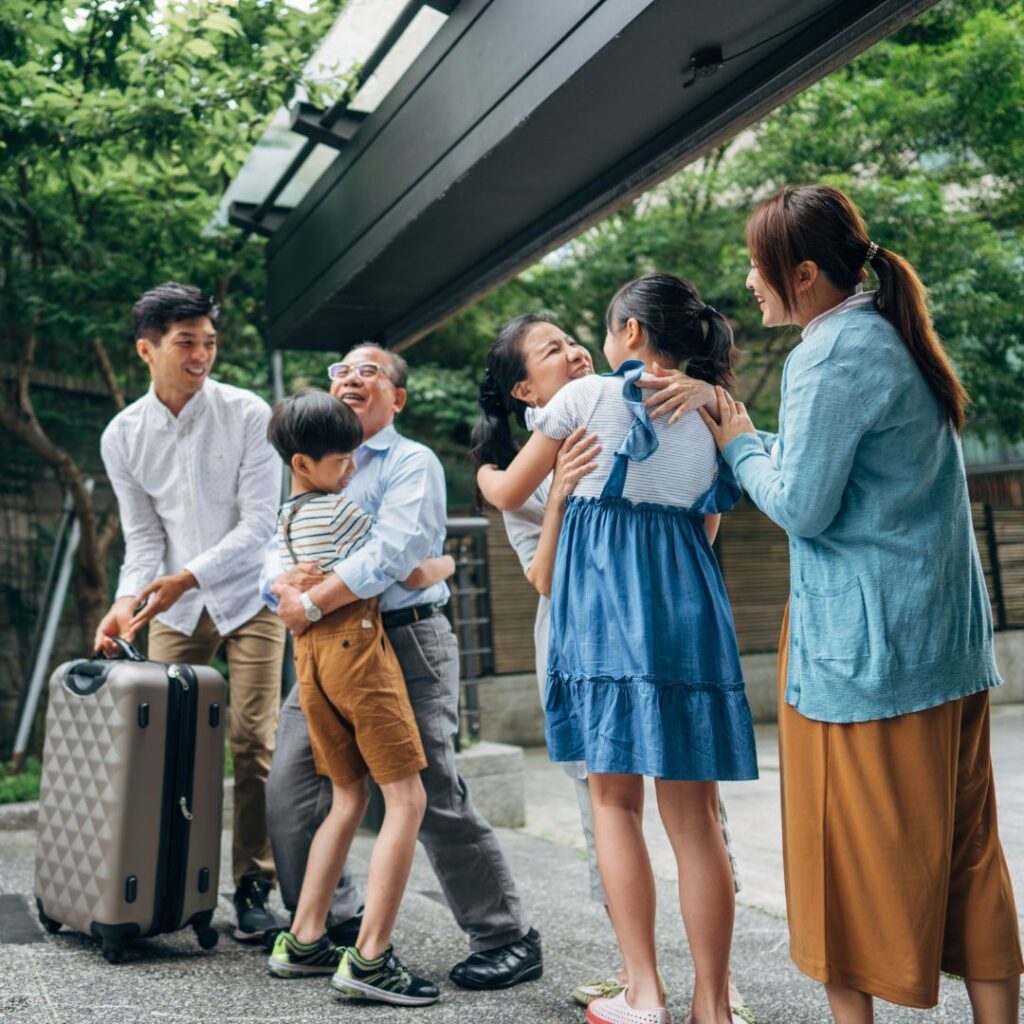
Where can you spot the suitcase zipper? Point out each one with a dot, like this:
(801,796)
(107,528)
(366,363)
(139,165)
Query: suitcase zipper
(181,737)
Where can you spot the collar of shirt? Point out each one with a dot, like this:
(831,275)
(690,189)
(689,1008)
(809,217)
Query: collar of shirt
(192,408)
(855,301)
(380,442)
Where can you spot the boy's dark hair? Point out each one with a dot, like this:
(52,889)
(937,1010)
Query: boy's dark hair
(312,422)
(166,304)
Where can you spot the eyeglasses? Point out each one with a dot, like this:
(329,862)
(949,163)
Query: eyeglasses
(339,371)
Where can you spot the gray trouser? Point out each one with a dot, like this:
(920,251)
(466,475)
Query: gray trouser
(463,849)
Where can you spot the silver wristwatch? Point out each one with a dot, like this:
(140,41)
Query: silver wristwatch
(313,614)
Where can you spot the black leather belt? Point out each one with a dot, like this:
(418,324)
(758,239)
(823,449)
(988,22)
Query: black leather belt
(406,616)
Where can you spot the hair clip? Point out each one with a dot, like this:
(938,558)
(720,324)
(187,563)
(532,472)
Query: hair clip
(872,251)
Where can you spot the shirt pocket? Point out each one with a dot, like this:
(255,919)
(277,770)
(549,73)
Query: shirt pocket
(221,477)
(833,621)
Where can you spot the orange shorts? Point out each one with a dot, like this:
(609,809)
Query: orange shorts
(354,697)
(894,869)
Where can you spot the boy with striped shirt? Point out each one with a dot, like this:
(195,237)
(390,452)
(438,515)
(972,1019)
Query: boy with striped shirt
(355,700)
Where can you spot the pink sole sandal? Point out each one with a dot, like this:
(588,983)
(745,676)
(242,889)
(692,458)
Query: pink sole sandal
(618,1011)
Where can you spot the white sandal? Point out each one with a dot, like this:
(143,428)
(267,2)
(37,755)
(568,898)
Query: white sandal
(618,1011)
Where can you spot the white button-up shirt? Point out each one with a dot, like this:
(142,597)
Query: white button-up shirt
(199,492)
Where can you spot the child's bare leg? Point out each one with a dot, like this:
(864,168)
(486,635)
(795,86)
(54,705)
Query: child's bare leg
(628,880)
(707,896)
(327,855)
(390,863)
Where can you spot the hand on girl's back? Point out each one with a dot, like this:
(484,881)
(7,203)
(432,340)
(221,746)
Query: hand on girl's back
(732,420)
(575,460)
(675,393)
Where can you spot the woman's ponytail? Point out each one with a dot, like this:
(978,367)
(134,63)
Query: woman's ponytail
(902,301)
(492,442)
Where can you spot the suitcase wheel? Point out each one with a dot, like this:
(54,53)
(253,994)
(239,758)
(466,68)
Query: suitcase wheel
(113,952)
(47,922)
(206,935)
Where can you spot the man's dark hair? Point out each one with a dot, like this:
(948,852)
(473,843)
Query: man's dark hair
(311,422)
(166,304)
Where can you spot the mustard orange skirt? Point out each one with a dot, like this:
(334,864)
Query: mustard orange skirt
(894,869)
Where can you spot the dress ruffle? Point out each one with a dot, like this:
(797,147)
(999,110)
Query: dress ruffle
(646,726)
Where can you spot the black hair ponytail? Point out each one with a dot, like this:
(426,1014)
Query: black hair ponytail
(715,364)
(677,323)
(492,441)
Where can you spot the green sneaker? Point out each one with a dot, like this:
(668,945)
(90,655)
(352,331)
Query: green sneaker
(293,959)
(384,980)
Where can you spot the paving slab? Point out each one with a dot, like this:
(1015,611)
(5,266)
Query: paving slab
(63,979)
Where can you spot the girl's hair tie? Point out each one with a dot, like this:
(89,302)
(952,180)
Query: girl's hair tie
(708,311)
(872,251)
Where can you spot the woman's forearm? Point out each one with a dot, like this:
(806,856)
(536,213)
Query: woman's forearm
(510,488)
(541,569)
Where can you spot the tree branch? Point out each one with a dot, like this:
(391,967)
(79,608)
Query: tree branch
(23,423)
(107,369)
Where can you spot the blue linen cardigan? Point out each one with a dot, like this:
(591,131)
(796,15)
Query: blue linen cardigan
(889,612)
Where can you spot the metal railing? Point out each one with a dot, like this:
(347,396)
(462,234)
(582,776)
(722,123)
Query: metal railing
(470,613)
(1000,533)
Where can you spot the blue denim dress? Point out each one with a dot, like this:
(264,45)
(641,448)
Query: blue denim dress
(644,673)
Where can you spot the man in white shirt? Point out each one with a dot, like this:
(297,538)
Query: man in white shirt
(197,485)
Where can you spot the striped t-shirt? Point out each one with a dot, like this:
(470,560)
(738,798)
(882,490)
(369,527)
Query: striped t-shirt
(324,529)
(678,473)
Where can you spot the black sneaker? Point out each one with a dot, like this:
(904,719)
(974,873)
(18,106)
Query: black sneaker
(503,967)
(251,909)
(383,980)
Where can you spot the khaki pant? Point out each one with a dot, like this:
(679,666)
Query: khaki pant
(254,653)
(353,695)
(894,869)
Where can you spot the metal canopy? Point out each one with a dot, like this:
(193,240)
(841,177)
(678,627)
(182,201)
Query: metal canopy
(520,124)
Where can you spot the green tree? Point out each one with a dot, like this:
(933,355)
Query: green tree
(123,121)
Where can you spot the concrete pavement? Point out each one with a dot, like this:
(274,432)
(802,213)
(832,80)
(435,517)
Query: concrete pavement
(63,978)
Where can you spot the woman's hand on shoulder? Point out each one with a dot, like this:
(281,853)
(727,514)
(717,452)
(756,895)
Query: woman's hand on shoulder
(575,460)
(675,393)
(732,421)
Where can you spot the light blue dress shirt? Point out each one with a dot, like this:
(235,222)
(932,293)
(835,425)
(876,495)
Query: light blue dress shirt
(401,484)
(889,610)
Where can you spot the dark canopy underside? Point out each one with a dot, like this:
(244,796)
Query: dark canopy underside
(521,123)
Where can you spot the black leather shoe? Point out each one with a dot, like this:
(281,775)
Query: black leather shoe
(502,967)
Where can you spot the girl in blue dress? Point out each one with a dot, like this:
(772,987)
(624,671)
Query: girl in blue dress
(644,673)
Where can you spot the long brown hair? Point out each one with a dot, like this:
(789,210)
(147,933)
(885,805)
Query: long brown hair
(819,223)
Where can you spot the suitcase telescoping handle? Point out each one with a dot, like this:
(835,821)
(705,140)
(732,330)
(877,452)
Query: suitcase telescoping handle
(88,675)
(127,649)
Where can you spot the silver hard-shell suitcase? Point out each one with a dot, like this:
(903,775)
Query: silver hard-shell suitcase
(131,799)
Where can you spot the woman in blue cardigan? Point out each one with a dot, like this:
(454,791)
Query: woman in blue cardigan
(894,869)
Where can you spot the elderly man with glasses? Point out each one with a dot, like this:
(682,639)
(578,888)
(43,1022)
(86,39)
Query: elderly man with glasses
(401,483)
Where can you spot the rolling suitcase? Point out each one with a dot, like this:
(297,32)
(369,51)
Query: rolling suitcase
(131,799)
